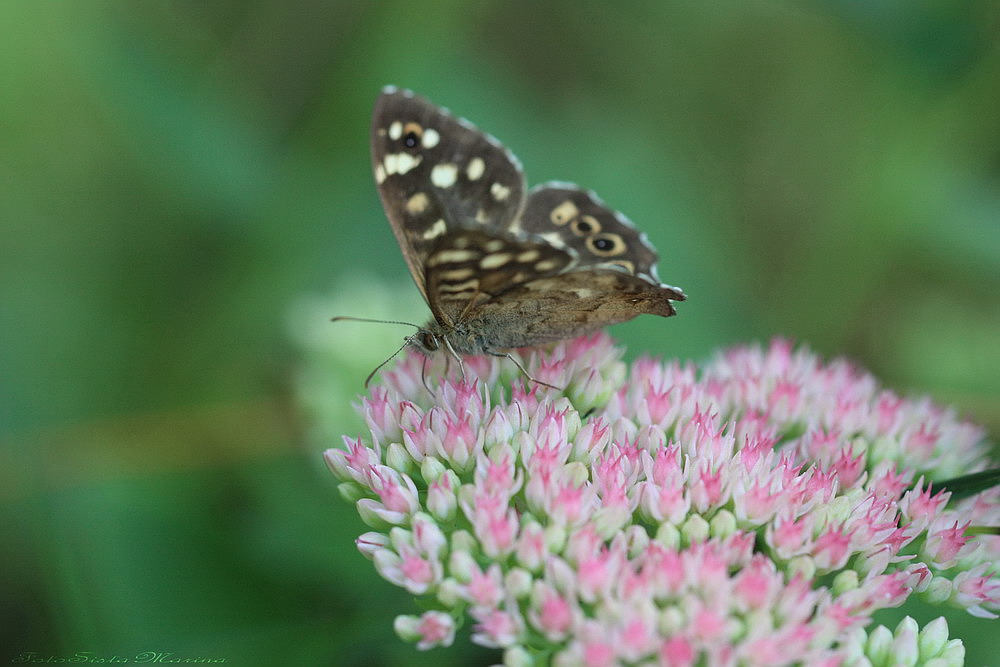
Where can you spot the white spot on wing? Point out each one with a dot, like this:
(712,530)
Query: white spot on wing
(430,138)
(417,204)
(494,261)
(457,274)
(444,175)
(563,213)
(395,130)
(653,273)
(451,256)
(499,192)
(436,230)
(379,174)
(554,239)
(460,288)
(400,163)
(475,169)
(556,185)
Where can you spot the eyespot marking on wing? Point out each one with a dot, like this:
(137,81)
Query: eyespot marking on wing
(606,244)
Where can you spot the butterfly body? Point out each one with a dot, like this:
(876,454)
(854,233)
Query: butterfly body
(502,267)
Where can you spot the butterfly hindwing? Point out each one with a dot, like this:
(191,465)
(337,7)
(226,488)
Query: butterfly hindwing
(575,302)
(602,237)
(612,279)
(436,172)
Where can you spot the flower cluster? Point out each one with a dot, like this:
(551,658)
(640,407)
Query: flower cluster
(755,510)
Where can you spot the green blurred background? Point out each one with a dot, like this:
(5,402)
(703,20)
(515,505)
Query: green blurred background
(178,177)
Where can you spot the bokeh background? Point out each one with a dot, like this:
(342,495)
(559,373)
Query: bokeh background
(186,198)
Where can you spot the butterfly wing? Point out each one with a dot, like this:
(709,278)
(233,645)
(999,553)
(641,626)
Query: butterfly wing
(611,279)
(603,238)
(569,304)
(470,266)
(436,173)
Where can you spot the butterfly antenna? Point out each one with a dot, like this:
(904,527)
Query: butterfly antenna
(391,357)
(525,371)
(348,318)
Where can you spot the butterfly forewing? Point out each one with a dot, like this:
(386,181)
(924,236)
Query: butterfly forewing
(436,172)
(470,266)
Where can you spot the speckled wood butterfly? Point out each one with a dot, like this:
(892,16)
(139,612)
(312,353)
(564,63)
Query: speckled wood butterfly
(500,266)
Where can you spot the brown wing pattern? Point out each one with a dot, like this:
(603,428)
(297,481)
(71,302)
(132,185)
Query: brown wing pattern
(501,269)
(602,237)
(435,172)
(542,311)
(470,266)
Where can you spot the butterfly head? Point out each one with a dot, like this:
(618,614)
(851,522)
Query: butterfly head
(426,341)
(460,338)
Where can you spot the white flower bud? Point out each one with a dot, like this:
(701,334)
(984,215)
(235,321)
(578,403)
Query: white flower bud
(846,580)
(933,638)
(431,468)
(694,529)
(397,458)
(668,535)
(723,524)
(904,644)
(517,656)
(879,646)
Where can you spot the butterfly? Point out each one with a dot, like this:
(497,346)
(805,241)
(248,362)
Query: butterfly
(501,266)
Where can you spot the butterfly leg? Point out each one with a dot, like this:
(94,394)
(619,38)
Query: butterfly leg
(528,375)
(423,376)
(455,355)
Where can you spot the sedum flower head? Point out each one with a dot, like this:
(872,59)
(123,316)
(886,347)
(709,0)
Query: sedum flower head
(755,510)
